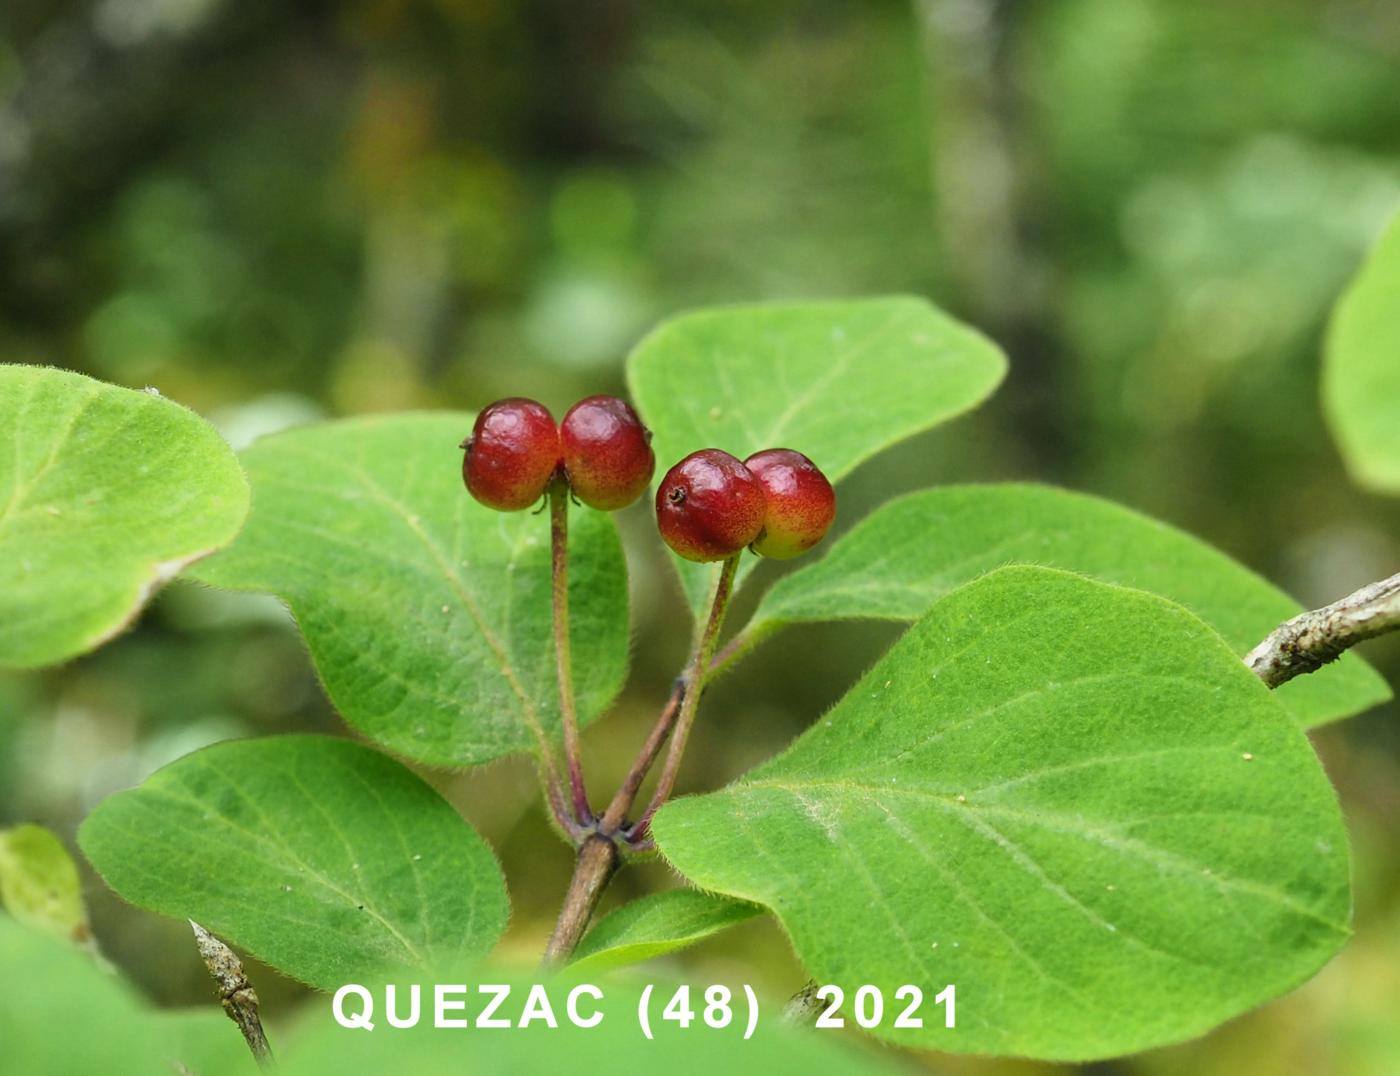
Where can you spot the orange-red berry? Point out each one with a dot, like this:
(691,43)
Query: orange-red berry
(801,502)
(709,506)
(607,452)
(512,454)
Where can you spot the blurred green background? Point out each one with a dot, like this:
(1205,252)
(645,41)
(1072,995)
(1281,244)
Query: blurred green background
(280,211)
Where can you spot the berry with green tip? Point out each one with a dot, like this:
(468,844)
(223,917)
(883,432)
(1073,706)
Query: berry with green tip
(709,506)
(801,502)
(512,454)
(607,452)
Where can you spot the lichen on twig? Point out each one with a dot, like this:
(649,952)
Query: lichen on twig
(236,993)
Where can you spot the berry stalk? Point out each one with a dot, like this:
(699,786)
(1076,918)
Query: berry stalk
(695,676)
(621,803)
(563,650)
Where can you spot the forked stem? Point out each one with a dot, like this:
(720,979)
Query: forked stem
(598,854)
(621,803)
(563,651)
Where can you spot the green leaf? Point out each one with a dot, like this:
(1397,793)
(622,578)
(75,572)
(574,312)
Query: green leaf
(60,1014)
(427,615)
(320,856)
(658,924)
(838,381)
(1361,376)
(39,883)
(895,563)
(105,494)
(1066,798)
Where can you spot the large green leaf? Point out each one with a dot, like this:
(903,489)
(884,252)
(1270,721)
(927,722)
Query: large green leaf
(320,856)
(39,883)
(1066,798)
(105,494)
(1361,377)
(838,381)
(657,924)
(428,616)
(895,563)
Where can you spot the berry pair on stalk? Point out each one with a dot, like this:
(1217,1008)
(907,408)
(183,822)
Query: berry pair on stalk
(601,449)
(711,505)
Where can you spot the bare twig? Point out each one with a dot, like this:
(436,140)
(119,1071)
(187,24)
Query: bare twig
(239,998)
(1310,640)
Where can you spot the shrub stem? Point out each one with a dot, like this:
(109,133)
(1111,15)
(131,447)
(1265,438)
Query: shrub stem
(598,855)
(597,860)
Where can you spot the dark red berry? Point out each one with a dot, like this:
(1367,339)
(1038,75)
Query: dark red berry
(607,452)
(801,502)
(709,506)
(511,455)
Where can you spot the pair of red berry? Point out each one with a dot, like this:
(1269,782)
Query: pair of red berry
(709,506)
(601,449)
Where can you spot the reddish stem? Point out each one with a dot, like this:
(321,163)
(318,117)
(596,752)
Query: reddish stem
(699,666)
(563,653)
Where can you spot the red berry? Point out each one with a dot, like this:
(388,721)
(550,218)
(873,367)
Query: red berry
(709,506)
(801,502)
(511,455)
(607,452)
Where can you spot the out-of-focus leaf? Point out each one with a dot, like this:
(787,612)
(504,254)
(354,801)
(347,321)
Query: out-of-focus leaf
(39,883)
(105,494)
(59,1013)
(1361,378)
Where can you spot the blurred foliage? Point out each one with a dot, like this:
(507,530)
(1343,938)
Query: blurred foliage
(275,211)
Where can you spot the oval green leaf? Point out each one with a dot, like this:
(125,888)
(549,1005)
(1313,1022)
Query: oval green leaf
(1068,799)
(908,553)
(427,615)
(105,494)
(838,381)
(1361,375)
(657,924)
(39,883)
(319,856)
